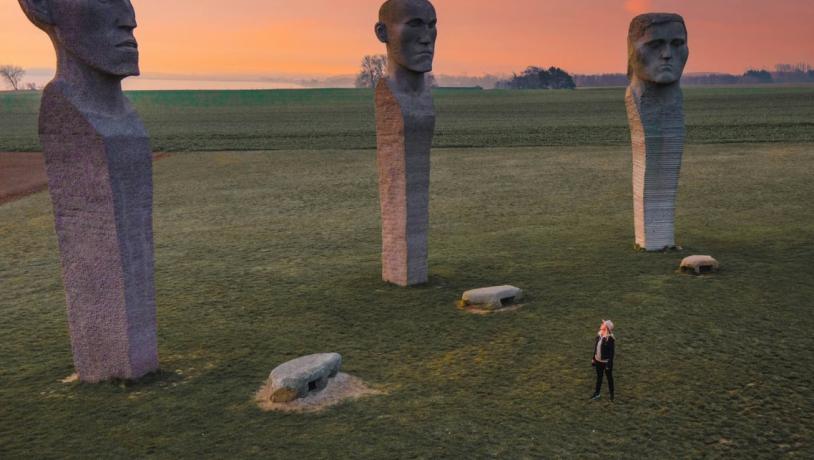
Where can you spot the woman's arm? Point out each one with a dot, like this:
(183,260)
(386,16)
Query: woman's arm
(593,353)
(611,351)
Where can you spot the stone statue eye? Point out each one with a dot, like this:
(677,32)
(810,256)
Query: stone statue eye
(415,22)
(655,44)
(433,23)
(679,42)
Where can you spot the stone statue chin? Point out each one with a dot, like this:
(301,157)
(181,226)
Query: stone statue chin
(658,52)
(408,28)
(95,49)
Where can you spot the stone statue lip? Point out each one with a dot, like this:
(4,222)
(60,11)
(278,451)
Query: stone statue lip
(129,43)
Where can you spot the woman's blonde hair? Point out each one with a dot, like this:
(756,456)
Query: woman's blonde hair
(609,325)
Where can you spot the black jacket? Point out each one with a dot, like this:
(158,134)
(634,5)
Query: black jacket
(607,351)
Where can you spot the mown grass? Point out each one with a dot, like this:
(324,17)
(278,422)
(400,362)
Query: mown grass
(265,256)
(343,118)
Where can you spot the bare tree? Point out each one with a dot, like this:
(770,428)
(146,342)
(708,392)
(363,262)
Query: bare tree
(373,69)
(13,75)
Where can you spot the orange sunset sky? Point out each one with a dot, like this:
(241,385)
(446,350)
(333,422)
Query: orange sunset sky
(328,37)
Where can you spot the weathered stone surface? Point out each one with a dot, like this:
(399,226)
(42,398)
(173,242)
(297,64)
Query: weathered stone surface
(404,139)
(492,297)
(405,124)
(658,53)
(99,166)
(297,378)
(700,264)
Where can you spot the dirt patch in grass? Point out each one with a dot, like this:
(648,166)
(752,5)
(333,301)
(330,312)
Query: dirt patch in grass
(476,310)
(23,174)
(341,388)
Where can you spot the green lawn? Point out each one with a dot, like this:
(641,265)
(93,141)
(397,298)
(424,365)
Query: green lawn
(329,119)
(265,256)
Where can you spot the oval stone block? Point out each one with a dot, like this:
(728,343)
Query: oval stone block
(492,297)
(297,378)
(700,264)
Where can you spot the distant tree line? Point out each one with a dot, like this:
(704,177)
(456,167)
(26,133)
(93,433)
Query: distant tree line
(487,81)
(793,73)
(539,78)
(783,73)
(605,79)
(374,67)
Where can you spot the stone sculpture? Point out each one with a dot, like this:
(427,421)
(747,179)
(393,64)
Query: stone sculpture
(491,297)
(699,265)
(658,52)
(298,378)
(99,166)
(405,123)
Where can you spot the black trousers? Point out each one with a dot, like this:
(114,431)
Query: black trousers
(601,368)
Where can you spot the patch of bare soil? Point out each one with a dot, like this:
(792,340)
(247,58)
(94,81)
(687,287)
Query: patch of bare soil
(23,174)
(341,388)
(475,310)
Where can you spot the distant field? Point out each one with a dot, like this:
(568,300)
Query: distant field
(343,119)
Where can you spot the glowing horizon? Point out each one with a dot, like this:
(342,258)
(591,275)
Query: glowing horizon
(315,37)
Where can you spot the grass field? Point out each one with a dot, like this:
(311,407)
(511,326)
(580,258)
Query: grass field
(343,118)
(264,256)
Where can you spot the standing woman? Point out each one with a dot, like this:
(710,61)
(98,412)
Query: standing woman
(602,361)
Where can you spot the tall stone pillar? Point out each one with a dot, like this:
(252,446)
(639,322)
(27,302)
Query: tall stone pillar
(657,133)
(404,137)
(658,52)
(100,181)
(99,166)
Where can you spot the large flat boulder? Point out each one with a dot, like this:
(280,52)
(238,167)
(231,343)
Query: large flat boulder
(700,264)
(297,378)
(492,297)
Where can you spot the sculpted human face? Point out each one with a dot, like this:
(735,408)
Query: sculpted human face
(410,35)
(98,33)
(661,53)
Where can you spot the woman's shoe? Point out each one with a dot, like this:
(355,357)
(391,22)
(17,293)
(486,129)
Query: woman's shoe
(596,397)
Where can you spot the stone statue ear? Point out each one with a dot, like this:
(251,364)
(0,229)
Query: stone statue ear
(38,11)
(381,32)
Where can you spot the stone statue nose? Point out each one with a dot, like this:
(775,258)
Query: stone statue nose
(127,18)
(127,22)
(426,36)
(666,52)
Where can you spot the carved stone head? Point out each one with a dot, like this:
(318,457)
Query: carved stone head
(657,48)
(97,33)
(408,29)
